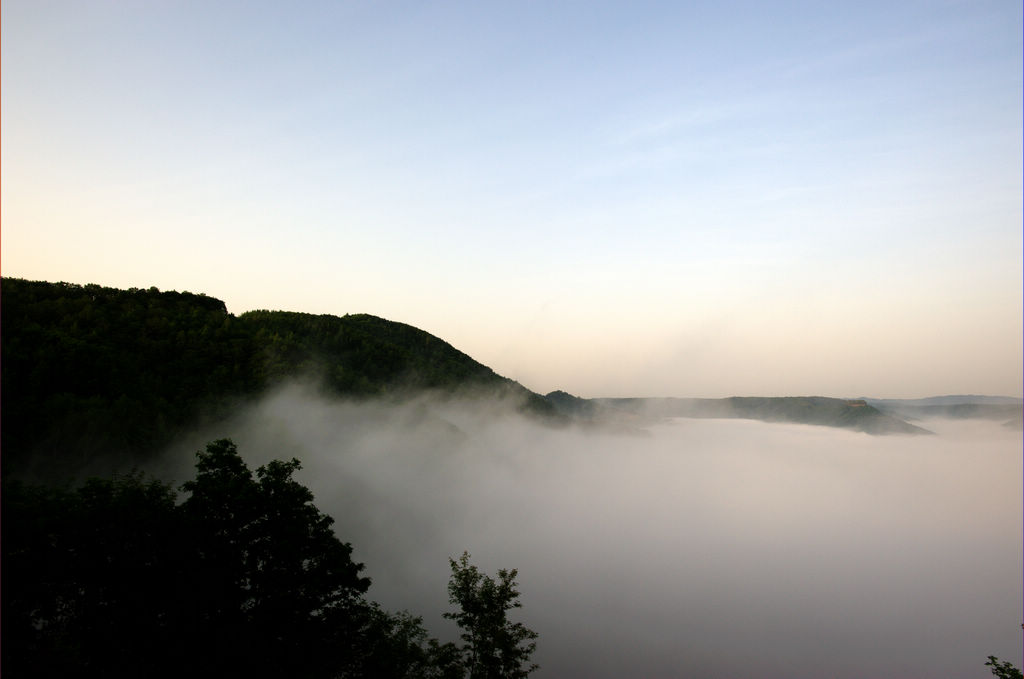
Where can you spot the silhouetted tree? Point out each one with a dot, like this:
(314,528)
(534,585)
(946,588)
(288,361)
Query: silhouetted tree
(398,646)
(246,577)
(279,591)
(90,578)
(495,647)
(1003,669)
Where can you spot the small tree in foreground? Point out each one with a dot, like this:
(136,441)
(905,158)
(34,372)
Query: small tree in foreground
(1003,669)
(495,648)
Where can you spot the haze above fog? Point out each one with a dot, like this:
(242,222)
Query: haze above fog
(705,548)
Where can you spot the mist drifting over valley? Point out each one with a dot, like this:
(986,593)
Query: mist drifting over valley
(482,228)
(693,547)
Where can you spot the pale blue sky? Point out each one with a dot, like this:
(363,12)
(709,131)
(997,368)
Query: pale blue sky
(607,198)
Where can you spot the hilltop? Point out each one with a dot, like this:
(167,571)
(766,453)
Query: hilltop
(95,371)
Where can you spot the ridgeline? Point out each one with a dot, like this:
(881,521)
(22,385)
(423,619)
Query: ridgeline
(94,372)
(91,371)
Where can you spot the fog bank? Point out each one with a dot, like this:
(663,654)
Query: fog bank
(709,548)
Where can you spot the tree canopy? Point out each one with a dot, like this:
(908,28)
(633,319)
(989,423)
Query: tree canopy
(1003,669)
(495,647)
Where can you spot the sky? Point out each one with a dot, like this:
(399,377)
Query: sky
(612,199)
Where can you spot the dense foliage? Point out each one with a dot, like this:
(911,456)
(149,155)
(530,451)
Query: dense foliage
(361,354)
(495,647)
(1003,669)
(92,372)
(245,577)
(89,369)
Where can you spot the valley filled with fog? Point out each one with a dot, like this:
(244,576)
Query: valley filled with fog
(706,548)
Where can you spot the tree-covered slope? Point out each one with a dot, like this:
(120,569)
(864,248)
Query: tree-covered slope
(90,370)
(362,354)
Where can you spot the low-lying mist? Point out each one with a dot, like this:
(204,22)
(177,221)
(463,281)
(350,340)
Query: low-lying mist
(708,548)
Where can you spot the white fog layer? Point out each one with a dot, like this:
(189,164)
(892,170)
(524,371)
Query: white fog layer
(710,548)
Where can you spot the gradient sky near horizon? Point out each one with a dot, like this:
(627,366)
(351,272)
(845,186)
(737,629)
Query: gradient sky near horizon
(614,199)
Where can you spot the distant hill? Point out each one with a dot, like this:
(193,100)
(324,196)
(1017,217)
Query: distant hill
(1005,409)
(574,406)
(962,399)
(90,371)
(830,412)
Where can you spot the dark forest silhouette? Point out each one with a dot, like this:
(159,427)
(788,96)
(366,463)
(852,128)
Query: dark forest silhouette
(245,577)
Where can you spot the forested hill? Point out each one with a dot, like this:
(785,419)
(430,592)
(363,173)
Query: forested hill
(89,370)
(363,354)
